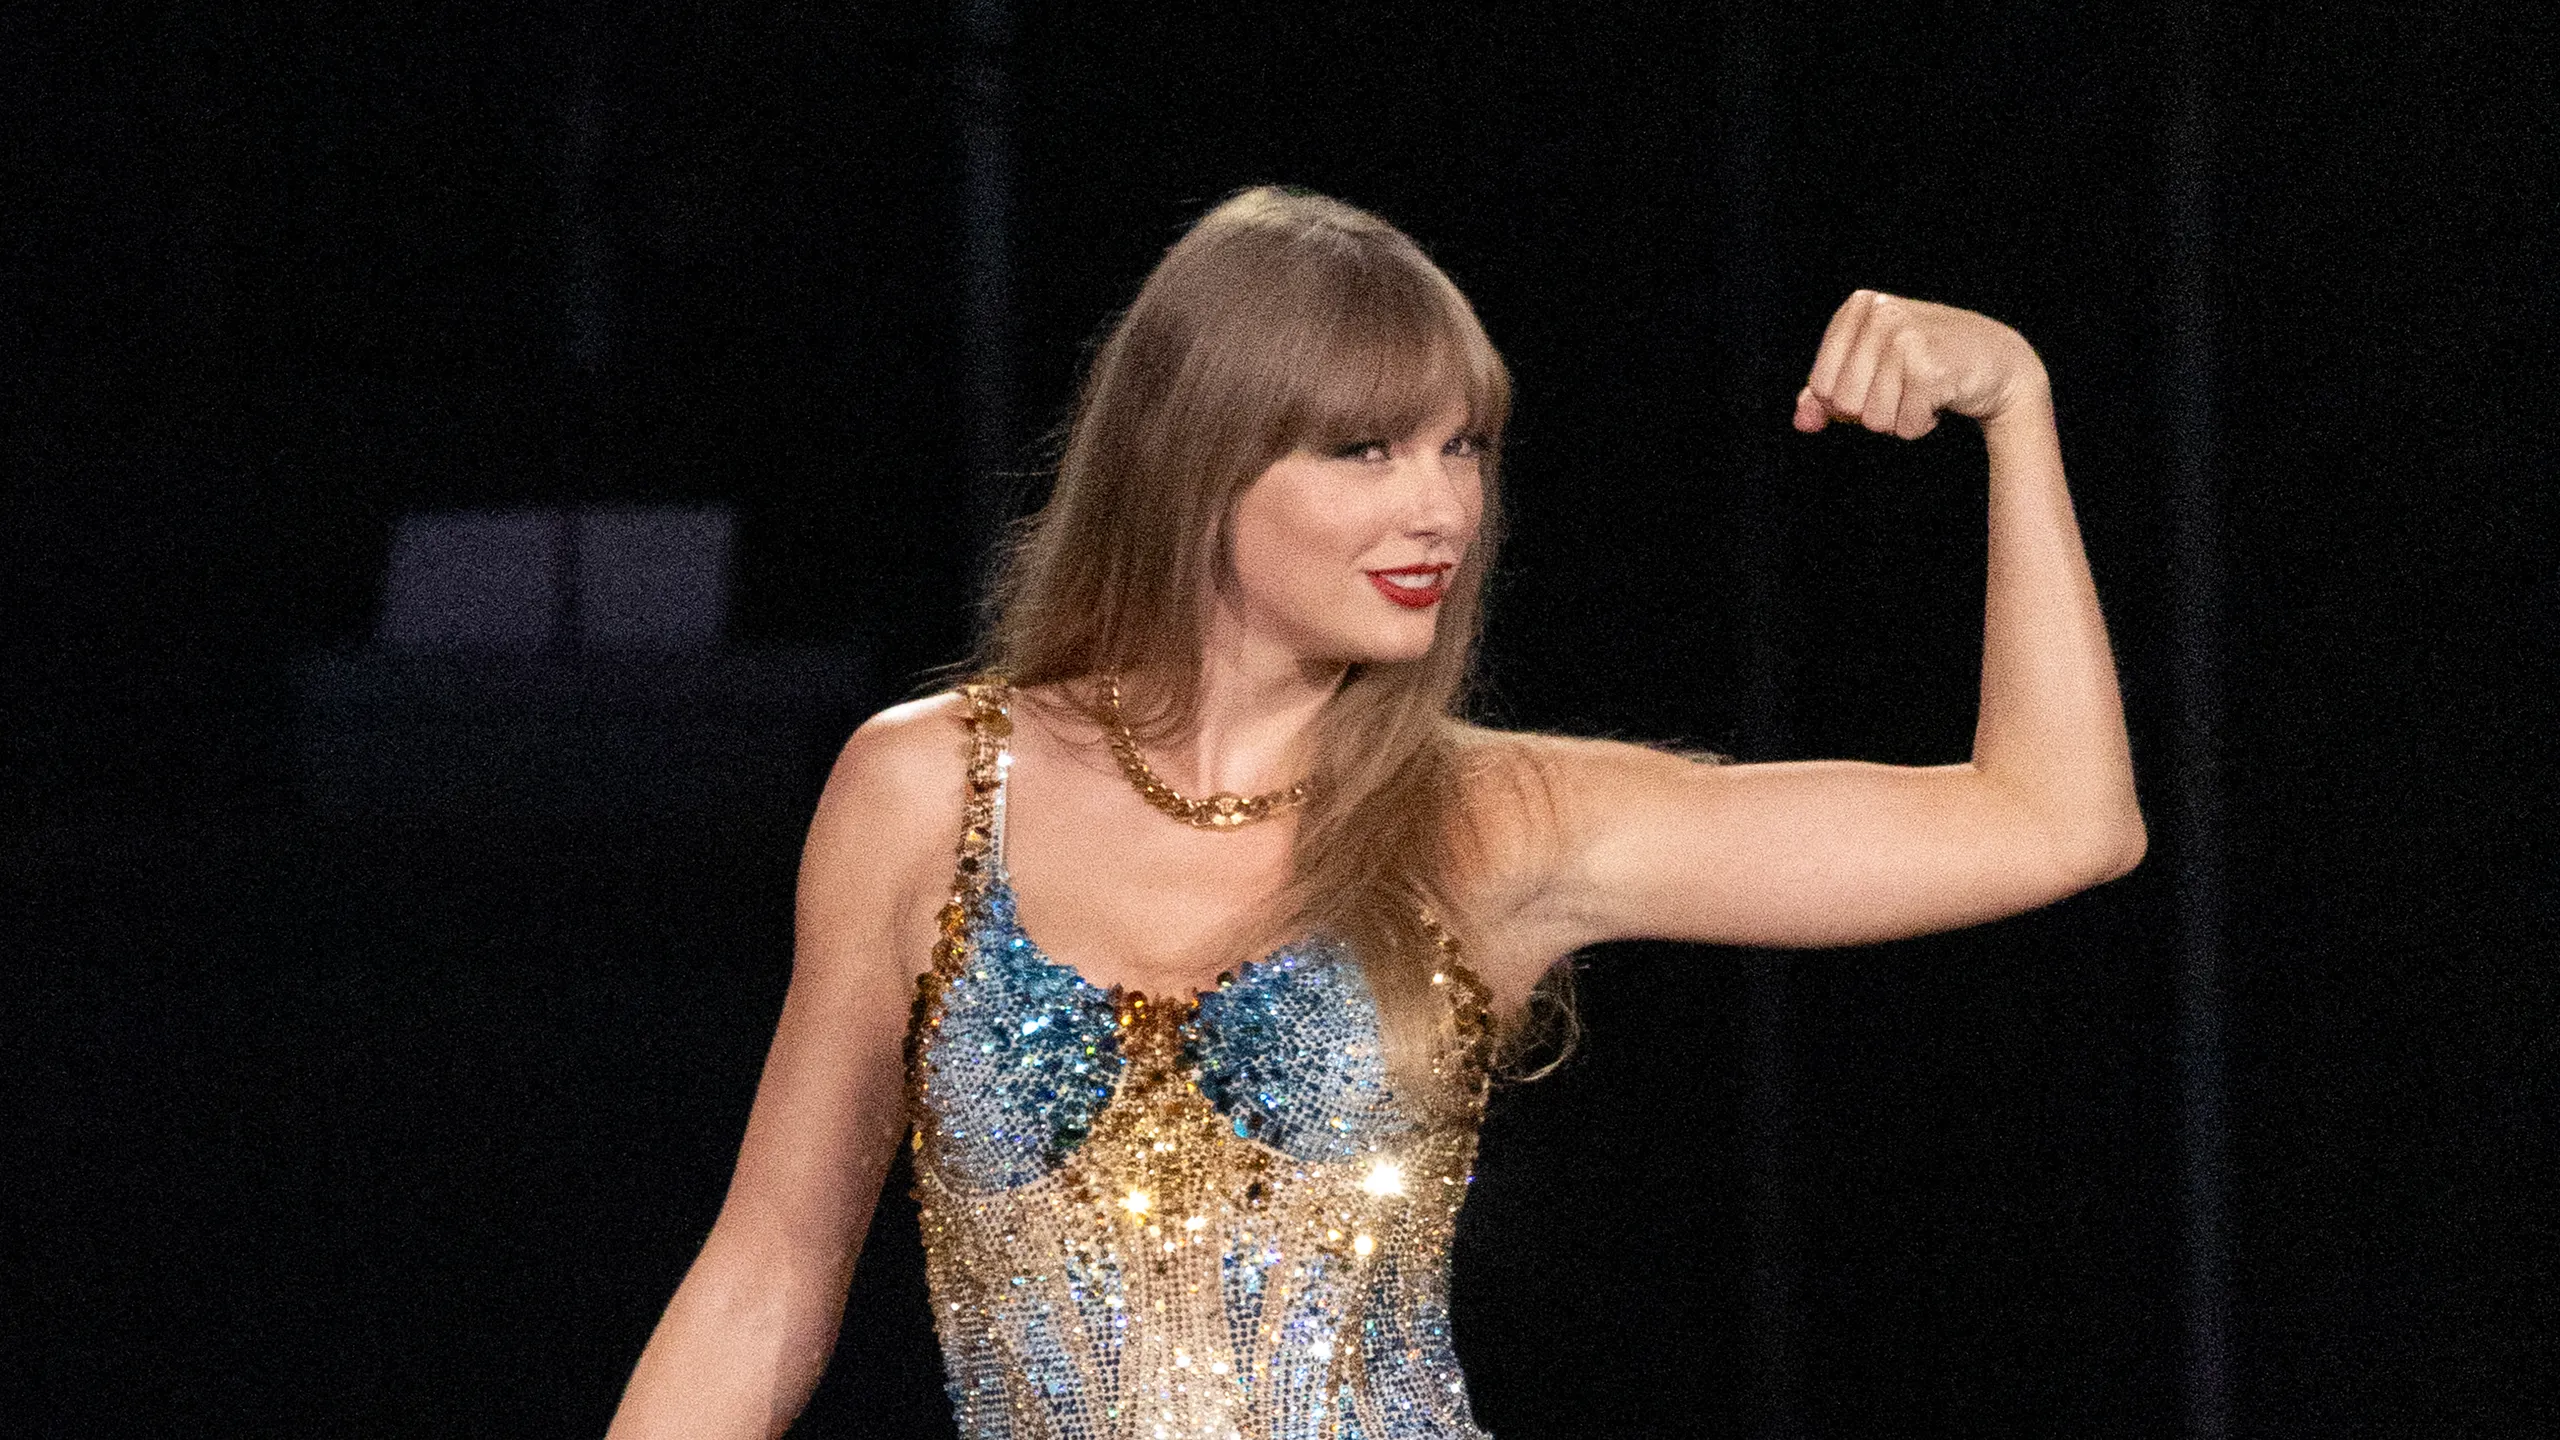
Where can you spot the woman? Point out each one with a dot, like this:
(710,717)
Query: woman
(1172,1189)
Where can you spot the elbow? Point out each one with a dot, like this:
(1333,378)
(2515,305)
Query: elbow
(2080,838)
(2108,850)
(2132,842)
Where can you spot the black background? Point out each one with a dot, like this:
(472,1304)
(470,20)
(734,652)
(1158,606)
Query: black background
(337,1126)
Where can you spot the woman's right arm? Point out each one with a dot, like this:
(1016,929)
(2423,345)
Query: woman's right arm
(750,1329)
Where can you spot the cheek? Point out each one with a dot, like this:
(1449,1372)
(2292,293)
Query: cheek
(1296,539)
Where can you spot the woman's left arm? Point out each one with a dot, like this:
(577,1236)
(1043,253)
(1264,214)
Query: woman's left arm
(1839,852)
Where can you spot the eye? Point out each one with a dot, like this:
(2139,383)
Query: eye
(1465,447)
(1371,450)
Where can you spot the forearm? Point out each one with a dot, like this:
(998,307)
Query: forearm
(2050,734)
(737,1353)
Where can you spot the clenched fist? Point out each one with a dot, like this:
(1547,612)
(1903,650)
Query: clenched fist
(1892,364)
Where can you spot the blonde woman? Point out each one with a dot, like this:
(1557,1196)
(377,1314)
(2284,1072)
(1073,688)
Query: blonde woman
(1178,946)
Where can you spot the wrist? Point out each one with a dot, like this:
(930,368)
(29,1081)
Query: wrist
(2026,394)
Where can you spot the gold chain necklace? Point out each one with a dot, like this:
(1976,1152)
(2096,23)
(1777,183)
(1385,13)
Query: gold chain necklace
(1222,811)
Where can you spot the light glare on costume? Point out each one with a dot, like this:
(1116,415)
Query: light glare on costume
(1385,1177)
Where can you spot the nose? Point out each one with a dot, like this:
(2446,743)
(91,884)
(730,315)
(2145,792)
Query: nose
(1441,497)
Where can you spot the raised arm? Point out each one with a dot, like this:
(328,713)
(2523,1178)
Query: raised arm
(750,1329)
(1638,843)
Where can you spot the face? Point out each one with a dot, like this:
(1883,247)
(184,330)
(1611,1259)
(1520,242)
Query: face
(1344,556)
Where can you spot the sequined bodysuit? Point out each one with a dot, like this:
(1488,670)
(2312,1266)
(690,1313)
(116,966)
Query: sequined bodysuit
(1165,1218)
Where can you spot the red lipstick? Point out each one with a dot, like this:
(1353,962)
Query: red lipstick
(1415,587)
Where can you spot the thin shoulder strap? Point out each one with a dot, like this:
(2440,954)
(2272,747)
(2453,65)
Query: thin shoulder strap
(990,704)
(1004,783)
(981,856)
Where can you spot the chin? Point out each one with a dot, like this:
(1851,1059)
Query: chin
(1397,645)
(1358,635)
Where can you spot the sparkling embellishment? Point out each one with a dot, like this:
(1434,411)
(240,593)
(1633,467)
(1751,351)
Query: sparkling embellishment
(1204,1217)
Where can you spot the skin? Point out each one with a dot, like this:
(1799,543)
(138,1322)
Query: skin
(1628,843)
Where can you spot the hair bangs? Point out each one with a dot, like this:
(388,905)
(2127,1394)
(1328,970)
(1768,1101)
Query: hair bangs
(1403,351)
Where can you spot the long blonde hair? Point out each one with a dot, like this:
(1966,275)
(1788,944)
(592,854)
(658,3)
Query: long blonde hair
(1281,320)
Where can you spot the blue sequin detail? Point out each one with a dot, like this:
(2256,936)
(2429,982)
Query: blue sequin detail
(1027,1057)
(1289,1052)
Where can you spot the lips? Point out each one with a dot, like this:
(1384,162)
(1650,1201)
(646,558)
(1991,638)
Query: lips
(1415,587)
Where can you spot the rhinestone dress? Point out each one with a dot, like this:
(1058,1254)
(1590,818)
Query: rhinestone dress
(1206,1218)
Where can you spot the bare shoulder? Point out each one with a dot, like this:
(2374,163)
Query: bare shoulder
(1528,813)
(1531,778)
(907,757)
(878,859)
(1521,784)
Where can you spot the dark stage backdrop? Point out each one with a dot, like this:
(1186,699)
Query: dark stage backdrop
(349,1117)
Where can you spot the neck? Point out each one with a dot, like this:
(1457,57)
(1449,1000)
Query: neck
(1257,704)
